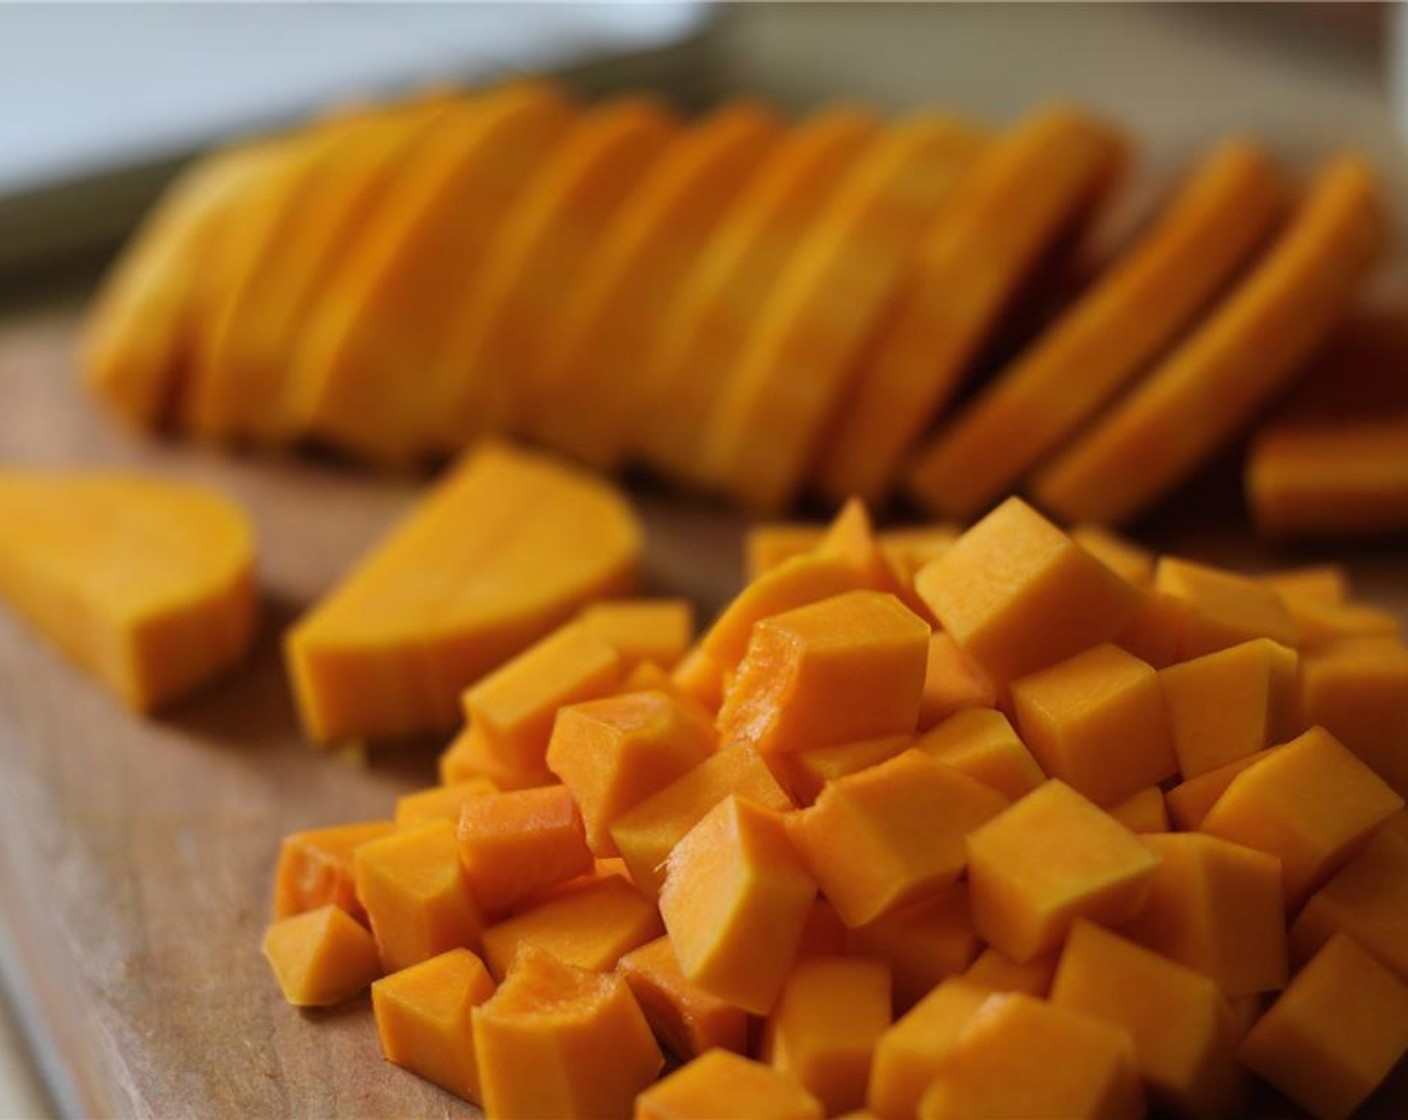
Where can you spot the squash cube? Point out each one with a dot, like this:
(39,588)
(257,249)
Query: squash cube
(720,1085)
(1311,803)
(321,957)
(1182,1029)
(1189,802)
(1335,1033)
(562,1042)
(1051,858)
(980,742)
(1222,608)
(1154,632)
(1358,692)
(470,758)
(1126,559)
(849,667)
(515,844)
(1017,594)
(735,902)
(806,773)
(851,537)
(888,836)
(910,1053)
(998,972)
(825,1025)
(614,753)
(923,944)
(953,681)
(1217,908)
(768,545)
(416,896)
(648,833)
(825,934)
(1230,704)
(640,630)
(1144,812)
(1097,722)
(685,1018)
(439,803)
(423,1018)
(1320,624)
(1317,583)
(700,677)
(315,868)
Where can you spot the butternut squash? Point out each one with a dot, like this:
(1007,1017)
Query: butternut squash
(719,1085)
(654,630)
(923,944)
(1221,608)
(1358,691)
(980,742)
(768,545)
(686,1019)
(146,583)
(513,845)
(321,957)
(315,868)
(953,682)
(998,972)
(910,1053)
(1143,812)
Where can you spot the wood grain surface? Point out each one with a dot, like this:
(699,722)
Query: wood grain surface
(136,855)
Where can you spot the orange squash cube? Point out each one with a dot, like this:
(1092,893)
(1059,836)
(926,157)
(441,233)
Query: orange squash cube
(769,545)
(648,833)
(685,1018)
(851,537)
(1230,704)
(562,1042)
(416,896)
(980,742)
(998,972)
(910,549)
(923,944)
(1367,899)
(824,935)
(321,957)
(515,844)
(1217,908)
(1097,722)
(1311,803)
(591,927)
(1144,812)
(614,753)
(1335,1033)
(1017,594)
(655,630)
(315,868)
(1051,858)
(470,758)
(846,668)
(888,836)
(1154,633)
(423,1019)
(1317,583)
(823,1030)
(514,706)
(1189,802)
(806,773)
(649,677)
(1126,559)
(1018,1056)
(910,1053)
(1182,1029)
(735,902)
(953,681)
(1358,692)
(1222,608)
(439,803)
(720,1085)
(1320,624)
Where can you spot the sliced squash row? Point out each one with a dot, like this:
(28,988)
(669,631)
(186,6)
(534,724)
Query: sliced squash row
(744,305)
(1006,822)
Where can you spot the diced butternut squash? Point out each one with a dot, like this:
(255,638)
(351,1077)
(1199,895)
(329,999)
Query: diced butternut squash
(735,902)
(1019,1056)
(657,630)
(615,753)
(1222,608)
(515,706)
(439,803)
(824,935)
(1358,691)
(1154,632)
(885,837)
(688,1020)
(423,1018)
(590,927)
(772,543)
(315,868)
(851,536)
(470,758)
(1335,1033)
(910,549)
(321,957)
(1182,1030)
(648,833)
(1229,704)
(700,676)
(980,742)
(1122,556)
(1367,899)
(1218,908)
(720,1085)
(998,972)
(415,894)
(1188,802)
(846,668)
(1051,858)
(806,773)
(1311,803)
(1143,812)
(1017,594)
(923,944)
(146,583)
(389,653)
(824,1028)
(1097,722)
(953,681)
(649,677)
(1241,355)
(515,844)
(910,1053)
(1319,623)
(1317,583)
(562,1042)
